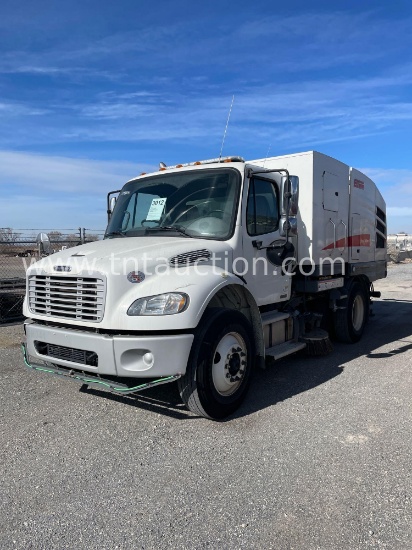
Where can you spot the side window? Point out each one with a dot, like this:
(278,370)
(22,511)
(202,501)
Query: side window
(262,207)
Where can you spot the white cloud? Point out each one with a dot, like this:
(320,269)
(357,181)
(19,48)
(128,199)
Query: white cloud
(280,49)
(314,112)
(61,192)
(396,188)
(34,212)
(65,175)
(17,109)
(399,180)
(399,211)
(300,79)
(274,44)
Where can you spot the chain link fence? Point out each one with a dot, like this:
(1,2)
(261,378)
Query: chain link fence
(19,248)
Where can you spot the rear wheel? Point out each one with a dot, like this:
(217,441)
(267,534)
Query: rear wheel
(220,364)
(350,322)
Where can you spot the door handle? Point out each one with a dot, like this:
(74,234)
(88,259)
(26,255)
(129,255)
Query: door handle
(346,233)
(334,232)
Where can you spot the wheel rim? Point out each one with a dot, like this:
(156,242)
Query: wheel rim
(229,364)
(358,312)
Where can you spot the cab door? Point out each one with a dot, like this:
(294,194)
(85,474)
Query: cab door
(260,228)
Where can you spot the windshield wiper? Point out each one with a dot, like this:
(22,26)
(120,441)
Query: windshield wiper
(115,234)
(177,229)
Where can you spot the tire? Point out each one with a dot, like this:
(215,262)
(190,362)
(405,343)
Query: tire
(220,365)
(349,323)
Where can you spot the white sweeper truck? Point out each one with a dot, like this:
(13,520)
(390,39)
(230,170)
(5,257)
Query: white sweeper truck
(206,270)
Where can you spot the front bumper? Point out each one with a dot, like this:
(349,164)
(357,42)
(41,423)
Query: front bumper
(96,379)
(124,356)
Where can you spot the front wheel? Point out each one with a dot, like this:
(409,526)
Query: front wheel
(220,364)
(350,322)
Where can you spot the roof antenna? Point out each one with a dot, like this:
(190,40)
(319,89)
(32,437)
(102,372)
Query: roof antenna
(267,154)
(227,124)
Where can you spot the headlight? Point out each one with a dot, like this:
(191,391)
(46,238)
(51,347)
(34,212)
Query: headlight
(163,304)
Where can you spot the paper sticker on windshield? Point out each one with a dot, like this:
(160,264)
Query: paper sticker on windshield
(156,210)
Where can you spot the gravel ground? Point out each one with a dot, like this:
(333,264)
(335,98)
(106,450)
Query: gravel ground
(319,456)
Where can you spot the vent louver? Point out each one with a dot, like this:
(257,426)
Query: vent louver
(190,257)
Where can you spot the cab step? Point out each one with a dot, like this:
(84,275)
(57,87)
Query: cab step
(273,317)
(282,350)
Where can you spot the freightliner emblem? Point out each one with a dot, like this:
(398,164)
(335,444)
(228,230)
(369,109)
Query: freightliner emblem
(136,277)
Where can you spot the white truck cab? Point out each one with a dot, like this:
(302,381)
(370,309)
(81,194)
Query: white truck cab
(205,270)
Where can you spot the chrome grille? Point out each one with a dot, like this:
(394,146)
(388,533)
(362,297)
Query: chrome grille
(191,257)
(77,298)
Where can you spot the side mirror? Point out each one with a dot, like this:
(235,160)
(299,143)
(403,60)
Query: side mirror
(289,191)
(43,242)
(289,205)
(294,198)
(112,204)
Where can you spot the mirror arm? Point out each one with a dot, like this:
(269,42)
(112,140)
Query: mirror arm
(258,245)
(279,170)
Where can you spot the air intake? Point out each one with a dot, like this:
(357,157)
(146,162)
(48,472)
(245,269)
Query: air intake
(190,258)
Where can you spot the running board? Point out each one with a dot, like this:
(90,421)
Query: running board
(282,350)
(93,379)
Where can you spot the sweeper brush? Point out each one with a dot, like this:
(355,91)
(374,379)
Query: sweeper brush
(317,343)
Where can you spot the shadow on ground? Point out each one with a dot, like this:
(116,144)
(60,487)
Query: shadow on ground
(391,323)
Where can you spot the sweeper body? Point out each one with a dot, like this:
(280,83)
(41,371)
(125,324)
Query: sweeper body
(207,270)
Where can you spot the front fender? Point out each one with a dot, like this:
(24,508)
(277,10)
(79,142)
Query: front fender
(199,282)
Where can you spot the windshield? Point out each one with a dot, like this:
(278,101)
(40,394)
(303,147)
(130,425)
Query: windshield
(199,203)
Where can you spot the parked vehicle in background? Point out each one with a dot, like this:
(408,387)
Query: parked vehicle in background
(26,253)
(400,241)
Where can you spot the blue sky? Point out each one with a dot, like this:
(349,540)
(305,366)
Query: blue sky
(92,93)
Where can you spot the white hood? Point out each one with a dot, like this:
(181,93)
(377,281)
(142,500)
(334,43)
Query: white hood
(120,255)
(112,260)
